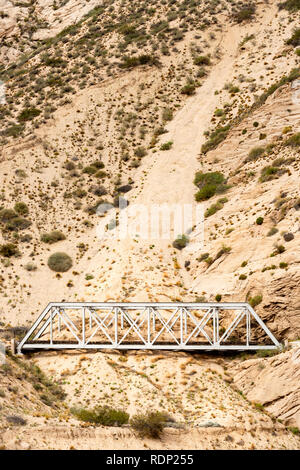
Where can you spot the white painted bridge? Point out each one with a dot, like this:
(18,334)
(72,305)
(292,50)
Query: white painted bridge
(146,325)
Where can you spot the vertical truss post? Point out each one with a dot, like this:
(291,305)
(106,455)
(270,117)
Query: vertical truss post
(59,323)
(51,327)
(149,326)
(248,327)
(83,325)
(216,337)
(116,327)
(214,327)
(153,318)
(181,326)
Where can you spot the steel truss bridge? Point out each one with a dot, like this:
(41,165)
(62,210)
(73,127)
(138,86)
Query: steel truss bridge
(172,326)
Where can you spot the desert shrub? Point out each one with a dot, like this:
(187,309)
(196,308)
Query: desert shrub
(16,420)
(98,164)
(160,26)
(268,173)
(201,72)
(259,406)
(279,161)
(203,257)
(52,237)
(231,88)
(290,5)
(135,163)
(245,13)
(13,131)
(7,214)
(215,138)
(218,112)
(102,415)
(167,114)
(266,353)
(60,262)
(188,89)
(268,268)
(8,250)
(208,191)
(80,193)
(294,40)
(135,61)
(272,231)
(259,221)
(100,174)
(254,154)
(21,208)
(69,165)
(294,140)
(52,61)
(30,267)
(28,114)
(202,60)
(215,207)
(201,179)
(140,152)
(283,265)
(278,250)
(90,170)
(242,277)
(98,190)
(218,298)
(288,236)
(17,223)
(124,189)
(180,242)
(209,184)
(150,424)
(294,429)
(254,301)
(224,250)
(166,146)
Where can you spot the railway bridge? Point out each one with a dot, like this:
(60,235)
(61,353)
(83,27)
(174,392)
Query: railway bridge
(146,325)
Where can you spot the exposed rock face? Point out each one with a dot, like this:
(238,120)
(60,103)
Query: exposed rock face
(274,382)
(282,310)
(141,106)
(37,20)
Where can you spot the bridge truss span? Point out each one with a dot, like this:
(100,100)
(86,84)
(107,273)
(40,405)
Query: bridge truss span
(137,325)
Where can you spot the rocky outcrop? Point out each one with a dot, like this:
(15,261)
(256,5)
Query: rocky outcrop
(273,382)
(282,310)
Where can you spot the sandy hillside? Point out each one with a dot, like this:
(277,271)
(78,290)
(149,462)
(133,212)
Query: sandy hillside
(207,412)
(105,101)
